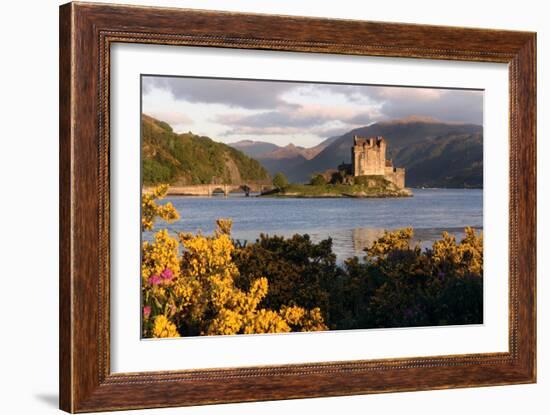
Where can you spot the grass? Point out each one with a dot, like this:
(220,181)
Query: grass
(378,187)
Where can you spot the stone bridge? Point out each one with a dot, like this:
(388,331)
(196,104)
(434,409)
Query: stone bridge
(210,189)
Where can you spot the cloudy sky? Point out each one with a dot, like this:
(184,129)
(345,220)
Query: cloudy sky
(290,112)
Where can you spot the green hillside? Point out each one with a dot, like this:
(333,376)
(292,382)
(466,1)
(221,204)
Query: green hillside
(452,160)
(183,159)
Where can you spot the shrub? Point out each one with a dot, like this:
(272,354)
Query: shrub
(396,285)
(192,291)
(280,181)
(318,180)
(197,284)
(438,286)
(338,177)
(299,271)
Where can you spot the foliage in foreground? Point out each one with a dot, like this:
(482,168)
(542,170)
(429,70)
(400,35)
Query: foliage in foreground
(192,291)
(202,285)
(396,285)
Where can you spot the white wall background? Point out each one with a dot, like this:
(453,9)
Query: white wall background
(29,208)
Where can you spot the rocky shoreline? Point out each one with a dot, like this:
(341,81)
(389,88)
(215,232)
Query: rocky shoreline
(336,191)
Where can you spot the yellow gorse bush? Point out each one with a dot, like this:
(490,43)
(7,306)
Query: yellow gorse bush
(162,327)
(188,285)
(151,210)
(390,241)
(465,257)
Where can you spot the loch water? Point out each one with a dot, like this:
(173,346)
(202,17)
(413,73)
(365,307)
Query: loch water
(352,223)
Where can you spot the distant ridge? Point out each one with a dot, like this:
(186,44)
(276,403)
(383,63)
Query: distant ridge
(254,148)
(435,153)
(420,119)
(414,118)
(277,158)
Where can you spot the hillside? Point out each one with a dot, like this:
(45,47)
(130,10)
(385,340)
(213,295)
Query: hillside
(276,165)
(312,152)
(435,154)
(183,159)
(453,160)
(289,151)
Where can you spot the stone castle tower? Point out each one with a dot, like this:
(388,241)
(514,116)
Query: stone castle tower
(368,158)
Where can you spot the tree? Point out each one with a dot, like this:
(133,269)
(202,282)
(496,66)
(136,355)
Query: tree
(318,180)
(280,181)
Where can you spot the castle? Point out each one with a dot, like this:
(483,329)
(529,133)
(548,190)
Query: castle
(368,158)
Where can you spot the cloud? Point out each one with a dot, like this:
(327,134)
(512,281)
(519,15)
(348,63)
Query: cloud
(363,118)
(444,105)
(395,102)
(323,131)
(316,119)
(409,94)
(233,93)
(297,111)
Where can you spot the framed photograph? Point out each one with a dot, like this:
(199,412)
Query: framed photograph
(259,207)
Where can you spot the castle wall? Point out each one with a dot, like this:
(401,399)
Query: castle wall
(396,176)
(369,158)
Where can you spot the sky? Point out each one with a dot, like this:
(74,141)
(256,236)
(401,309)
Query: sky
(230,110)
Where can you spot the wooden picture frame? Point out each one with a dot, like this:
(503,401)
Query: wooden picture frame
(86,33)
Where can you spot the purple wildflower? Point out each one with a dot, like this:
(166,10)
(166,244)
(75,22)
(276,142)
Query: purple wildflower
(155,279)
(167,274)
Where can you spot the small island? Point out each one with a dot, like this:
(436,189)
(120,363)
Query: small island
(370,175)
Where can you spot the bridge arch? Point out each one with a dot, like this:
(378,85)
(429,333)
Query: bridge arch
(215,189)
(210,189)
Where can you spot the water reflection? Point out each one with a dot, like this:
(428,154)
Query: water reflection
(352,242)
(364,237)
(353,224)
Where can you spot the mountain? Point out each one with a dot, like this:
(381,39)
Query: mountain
(183,159)
(283,165)
(435,154)
(283,159)
(254,148)
(314,151)
(287,152)
(276,158)
(291,151)
(452,160)
(269,151)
